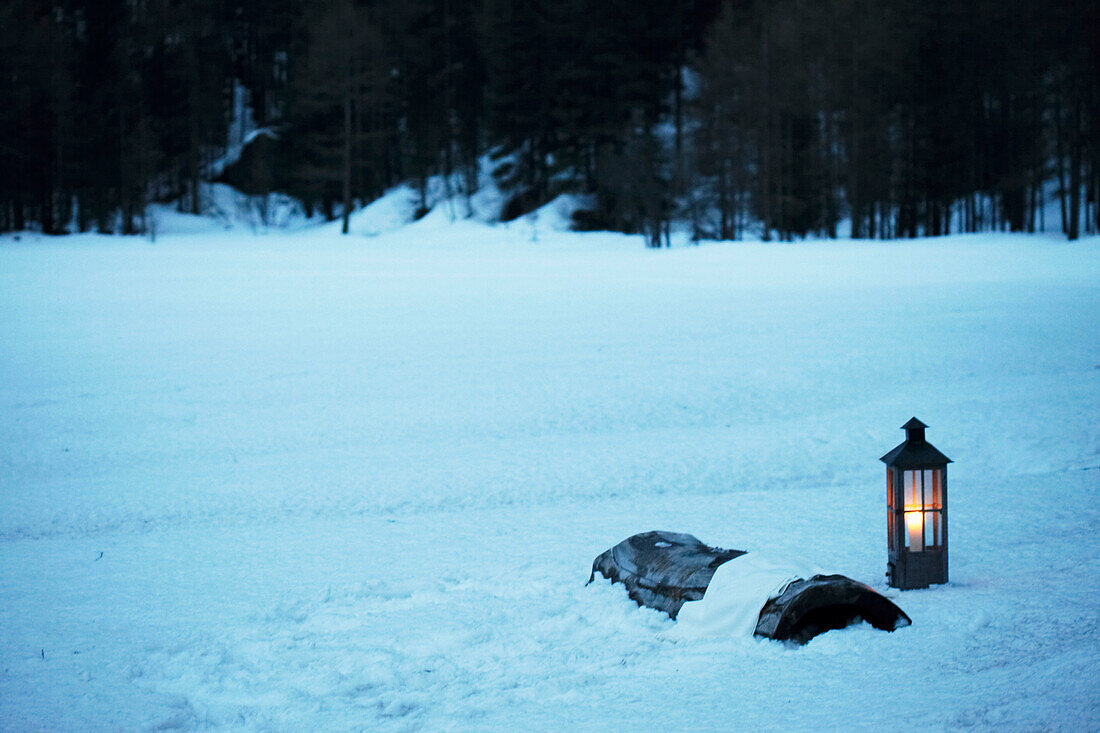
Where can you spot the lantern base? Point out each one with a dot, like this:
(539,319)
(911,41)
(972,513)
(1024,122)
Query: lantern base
(914,570)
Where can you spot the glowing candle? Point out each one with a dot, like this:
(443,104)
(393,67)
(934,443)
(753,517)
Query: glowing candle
(914,522)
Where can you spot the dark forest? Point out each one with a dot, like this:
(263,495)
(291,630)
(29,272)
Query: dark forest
(786,117)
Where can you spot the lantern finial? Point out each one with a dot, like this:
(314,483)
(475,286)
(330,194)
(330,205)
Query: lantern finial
(914,431)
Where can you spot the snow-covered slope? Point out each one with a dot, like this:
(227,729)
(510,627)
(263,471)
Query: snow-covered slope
(345,483)
(225,209)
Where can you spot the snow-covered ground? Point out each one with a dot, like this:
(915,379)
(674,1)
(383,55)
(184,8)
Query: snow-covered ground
(306,482)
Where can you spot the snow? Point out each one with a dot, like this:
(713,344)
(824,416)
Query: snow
(385,214)
(738,591)
(227,209)
(344,483)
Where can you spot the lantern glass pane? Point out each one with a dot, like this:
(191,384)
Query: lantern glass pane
(889,488)
(937,489)
(930,528)
(912,490)
(928,487)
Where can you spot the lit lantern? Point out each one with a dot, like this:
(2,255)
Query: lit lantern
(916,511)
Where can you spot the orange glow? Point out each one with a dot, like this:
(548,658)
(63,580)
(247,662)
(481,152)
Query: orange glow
(914,522)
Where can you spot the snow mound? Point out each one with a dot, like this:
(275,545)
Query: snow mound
(739,589)
(558,214)
(393,210)
(445,198)
(224,208)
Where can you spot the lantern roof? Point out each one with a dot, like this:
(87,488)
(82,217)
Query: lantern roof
(915,452)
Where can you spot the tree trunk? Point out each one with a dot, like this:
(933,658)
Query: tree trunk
(1060,156)
(347,161)
(1072,231)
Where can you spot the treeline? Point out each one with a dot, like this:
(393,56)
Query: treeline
(780,117)
(907,117)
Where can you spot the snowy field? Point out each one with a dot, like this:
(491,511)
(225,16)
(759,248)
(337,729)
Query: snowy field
(305,482)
